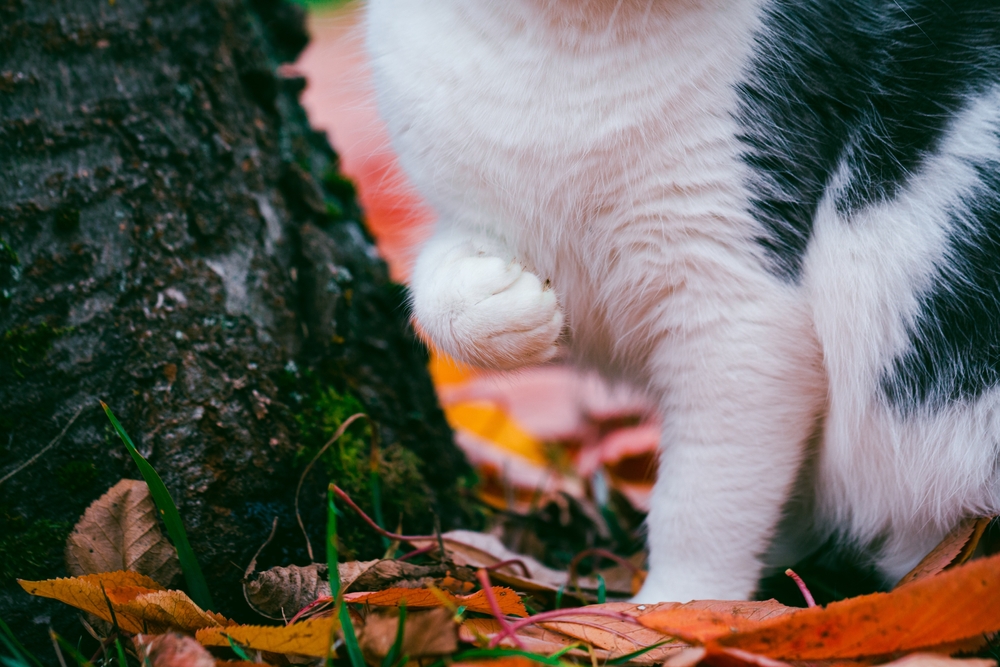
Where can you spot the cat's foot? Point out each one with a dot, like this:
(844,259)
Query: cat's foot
(488,312)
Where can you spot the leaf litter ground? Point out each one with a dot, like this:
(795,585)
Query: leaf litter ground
(465,597)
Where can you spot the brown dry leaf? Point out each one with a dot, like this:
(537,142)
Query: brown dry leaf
(384,574)
(956,548)
(282,591)
(426,634)
(533,638)
(121,531)
(139,603)
(311,637)
(171,650)
(960,603)
(618,638)
(416,598)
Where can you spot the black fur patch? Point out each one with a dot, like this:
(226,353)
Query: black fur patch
(867,86)
(955,353)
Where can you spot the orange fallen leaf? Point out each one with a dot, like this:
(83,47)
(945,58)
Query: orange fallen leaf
(960,603)
(702,621)
(311,638)
(139,603)
(956,548)
(422,598)
(509,661)
(618,638)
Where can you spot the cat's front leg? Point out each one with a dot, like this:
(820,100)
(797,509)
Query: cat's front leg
(742,392)
(481,306)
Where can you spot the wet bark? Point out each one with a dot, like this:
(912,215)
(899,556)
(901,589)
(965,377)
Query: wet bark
(176,241)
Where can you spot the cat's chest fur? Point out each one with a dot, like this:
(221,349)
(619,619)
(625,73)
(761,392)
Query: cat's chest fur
(573,141)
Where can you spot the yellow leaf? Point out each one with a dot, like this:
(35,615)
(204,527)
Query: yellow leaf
(310,637)
(139,603)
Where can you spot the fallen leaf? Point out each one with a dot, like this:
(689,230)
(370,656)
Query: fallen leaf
(506,661)
(171,650)
(702,621)
(533,638)
(311,637)
(121,531)
(618,638)
(384,574)
(960,603)
(139,603)
(938,660)
(282,591)
(510,603)
(956,548)
(427,633)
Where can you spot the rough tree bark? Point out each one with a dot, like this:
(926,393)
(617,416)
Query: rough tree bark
(176,241)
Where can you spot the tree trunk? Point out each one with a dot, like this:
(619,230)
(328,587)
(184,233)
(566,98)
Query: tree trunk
(176,241)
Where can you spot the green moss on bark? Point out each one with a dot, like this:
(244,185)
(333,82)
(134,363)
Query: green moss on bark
(30,550)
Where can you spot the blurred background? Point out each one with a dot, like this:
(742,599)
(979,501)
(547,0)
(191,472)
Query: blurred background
(536,437)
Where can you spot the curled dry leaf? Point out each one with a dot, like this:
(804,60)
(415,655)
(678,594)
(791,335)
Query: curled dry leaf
(956,548)
(311,638)
(472,549)
(401,574)
(139,603)
(415,598)
(282,591)
(172,650)
(121,531)
(429,633)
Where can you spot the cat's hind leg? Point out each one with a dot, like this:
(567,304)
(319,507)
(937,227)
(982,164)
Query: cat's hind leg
(482,307)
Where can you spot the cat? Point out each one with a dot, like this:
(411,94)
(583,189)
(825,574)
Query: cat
(779,218)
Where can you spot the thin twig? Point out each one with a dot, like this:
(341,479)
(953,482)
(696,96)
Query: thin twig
(417,552)
(310,607)
(41,452)
(810,602)
(371,522)
(505,627)
(336,436)
(507,563)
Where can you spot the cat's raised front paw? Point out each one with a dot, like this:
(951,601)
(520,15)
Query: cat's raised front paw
(489,313)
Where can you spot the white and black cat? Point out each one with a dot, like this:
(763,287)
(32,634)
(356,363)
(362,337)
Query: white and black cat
(781,218)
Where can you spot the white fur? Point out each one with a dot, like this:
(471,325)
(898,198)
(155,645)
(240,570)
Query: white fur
(581,156)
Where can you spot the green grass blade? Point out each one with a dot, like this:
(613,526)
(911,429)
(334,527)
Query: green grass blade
(238,650)
(73,652)
(332,557)
(602,590)
(15,647)
(635,654)
(559,596)
(197,586)
(121,653)
(397,645)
